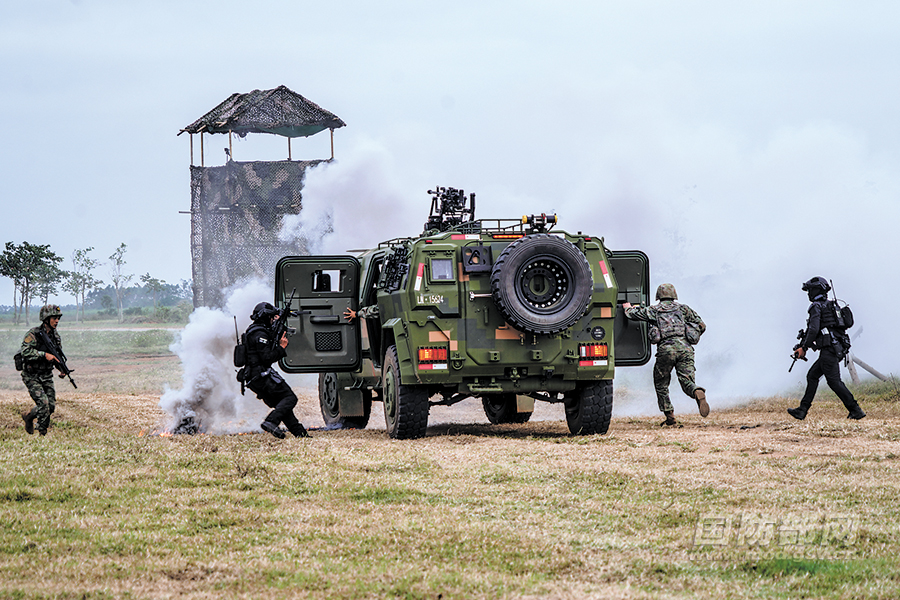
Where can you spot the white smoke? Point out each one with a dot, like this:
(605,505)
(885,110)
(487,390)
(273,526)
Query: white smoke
(210,397)
(356,202)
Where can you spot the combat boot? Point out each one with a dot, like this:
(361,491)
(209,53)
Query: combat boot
(700,396)
(670,419)
(273,429)
(798,413)
(300,431)
(856,413)
(28,417)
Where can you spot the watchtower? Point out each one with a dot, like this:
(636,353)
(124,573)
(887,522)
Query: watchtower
(237,208)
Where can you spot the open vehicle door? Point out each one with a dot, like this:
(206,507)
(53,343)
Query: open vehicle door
(632,271)
(323,288)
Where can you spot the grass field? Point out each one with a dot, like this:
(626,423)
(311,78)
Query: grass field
(748,503)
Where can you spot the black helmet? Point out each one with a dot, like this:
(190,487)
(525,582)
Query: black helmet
(816,282)
(263,312)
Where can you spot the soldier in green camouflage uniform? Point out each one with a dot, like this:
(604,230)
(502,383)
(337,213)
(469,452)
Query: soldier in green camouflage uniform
(366,312)
(37,371)
(673,350)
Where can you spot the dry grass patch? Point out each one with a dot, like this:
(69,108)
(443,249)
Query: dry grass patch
(96,510)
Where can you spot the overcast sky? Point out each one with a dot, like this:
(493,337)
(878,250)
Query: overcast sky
(746,147)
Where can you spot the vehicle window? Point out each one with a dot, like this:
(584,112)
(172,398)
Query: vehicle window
(326,281)
(441,269)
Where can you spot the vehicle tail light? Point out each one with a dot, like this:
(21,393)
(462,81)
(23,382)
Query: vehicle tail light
(593,350)
(433,355)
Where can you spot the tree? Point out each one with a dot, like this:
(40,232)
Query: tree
(47,278)
(81,278)
(34,270)
(119,279)
(9,267)
(154,286)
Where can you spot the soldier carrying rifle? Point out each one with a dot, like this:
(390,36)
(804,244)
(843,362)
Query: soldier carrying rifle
(265,344)
(825,332)
(42,351)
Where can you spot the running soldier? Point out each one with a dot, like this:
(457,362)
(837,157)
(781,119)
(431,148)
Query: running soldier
(37,369)
(675,328)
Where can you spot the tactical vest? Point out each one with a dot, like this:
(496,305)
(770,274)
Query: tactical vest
(40,365)
(253,364)
(670,321)
(831,334)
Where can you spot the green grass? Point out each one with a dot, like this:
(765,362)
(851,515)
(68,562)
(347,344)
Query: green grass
(354,515)
(96,511)
(91,343)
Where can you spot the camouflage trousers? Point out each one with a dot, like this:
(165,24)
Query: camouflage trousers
(40,386)
(681,358)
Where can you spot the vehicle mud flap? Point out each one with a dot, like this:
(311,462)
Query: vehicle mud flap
(405,406)
(503,408)
(589,408)
(339,411)
(542,283)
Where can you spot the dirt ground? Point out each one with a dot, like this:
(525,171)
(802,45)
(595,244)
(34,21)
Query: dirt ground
(761,428)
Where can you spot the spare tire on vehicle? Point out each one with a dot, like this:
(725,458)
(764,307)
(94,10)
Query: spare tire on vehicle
(542,283)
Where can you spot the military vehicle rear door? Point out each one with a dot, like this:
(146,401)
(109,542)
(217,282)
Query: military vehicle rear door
(323,288)
(632,271)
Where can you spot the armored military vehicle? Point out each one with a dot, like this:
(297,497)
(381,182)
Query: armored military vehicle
(506,310)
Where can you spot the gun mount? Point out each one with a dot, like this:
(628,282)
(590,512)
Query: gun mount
(448,209)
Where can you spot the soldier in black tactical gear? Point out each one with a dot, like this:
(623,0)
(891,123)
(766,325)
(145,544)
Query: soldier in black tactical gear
(263,379)
(832,342)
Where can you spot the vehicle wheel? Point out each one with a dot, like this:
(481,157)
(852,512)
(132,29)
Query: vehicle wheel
(329,395)
(501,408)
(589,408)
(405,406)
(542,283)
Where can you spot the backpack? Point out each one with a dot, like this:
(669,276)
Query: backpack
(692,332)
(240,351)
(843,316)
(670,322)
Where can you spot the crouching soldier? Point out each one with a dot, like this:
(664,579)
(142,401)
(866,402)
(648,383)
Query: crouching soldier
(37,368)
(265,381)
(675,328)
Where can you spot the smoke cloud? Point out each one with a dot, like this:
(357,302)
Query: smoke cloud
(737,229)
(356,202)
(210,397)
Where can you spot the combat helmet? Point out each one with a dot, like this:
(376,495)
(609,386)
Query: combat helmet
(666,291)
(816,282)
(50,310)
(263,312)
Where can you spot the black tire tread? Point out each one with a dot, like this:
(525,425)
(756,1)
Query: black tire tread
(412,404)
(589,410)
(522,322)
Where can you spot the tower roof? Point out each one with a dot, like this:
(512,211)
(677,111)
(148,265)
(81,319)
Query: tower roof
(279,111)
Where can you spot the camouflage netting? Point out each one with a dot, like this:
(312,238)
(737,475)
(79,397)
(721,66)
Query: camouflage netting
(279,111)
(236,214)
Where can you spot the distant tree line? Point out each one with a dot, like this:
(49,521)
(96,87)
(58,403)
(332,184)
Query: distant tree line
(37,274)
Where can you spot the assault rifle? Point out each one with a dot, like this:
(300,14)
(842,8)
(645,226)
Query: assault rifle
(58,353)
(795,355)
(280,324)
